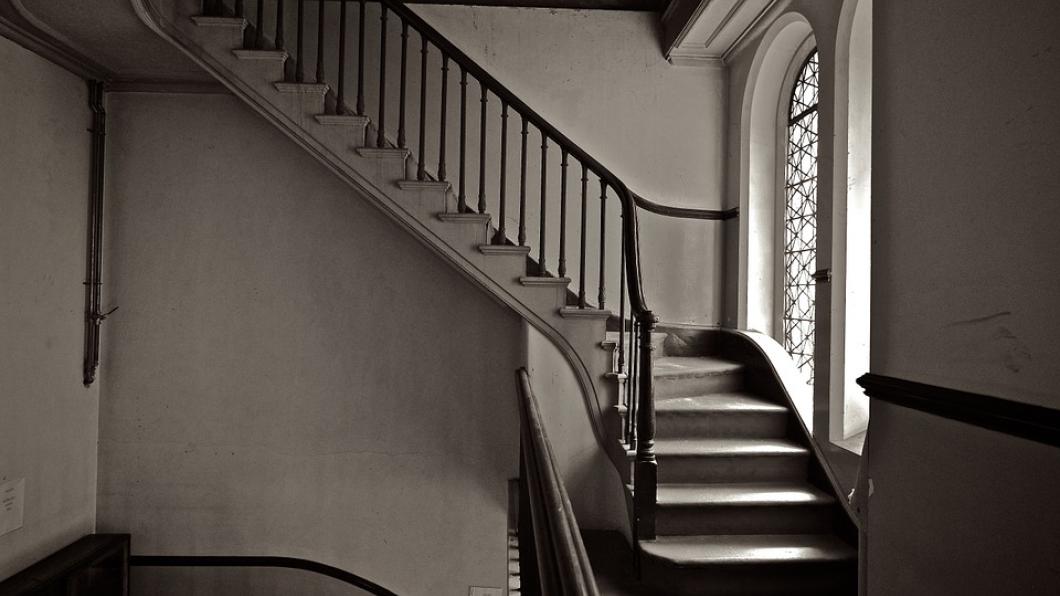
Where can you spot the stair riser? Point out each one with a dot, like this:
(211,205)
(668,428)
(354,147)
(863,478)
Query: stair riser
(752,519)
(688,386)
(744,468)
(718,425)
(806,579)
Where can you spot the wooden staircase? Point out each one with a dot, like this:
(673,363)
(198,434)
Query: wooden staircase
(743,504)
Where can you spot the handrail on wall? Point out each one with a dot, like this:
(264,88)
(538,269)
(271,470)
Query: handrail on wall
(552,555)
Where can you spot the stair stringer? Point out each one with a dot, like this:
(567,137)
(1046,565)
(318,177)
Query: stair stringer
(577,338)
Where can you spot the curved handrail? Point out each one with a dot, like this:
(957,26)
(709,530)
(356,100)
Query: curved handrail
(259,561)
(685,212)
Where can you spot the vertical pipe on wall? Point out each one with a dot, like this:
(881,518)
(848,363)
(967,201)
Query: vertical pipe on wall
(94,249)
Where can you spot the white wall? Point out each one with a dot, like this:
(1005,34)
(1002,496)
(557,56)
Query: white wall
(291,374)
(956,509)
(48,419)
(964,207)
(964,291)
(595,489)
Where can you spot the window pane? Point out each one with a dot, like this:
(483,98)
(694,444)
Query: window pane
(800,219)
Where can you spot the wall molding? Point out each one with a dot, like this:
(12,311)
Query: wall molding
(259,561)
(165,86)
(1028,421)
(15,26)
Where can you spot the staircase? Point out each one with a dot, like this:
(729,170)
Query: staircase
(737,509)
(729,495)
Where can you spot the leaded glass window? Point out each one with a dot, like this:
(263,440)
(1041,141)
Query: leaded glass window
(800,217)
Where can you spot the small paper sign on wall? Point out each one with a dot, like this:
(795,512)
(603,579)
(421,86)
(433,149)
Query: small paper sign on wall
(12,498)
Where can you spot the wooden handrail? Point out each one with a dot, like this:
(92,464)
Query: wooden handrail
(260,561)
(685,212)
(562,565)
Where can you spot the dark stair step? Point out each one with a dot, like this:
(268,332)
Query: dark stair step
(720,415)
(730,460)
(681,376)
(744,508)
(750,565)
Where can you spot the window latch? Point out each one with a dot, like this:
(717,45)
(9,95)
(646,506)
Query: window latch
(823,276)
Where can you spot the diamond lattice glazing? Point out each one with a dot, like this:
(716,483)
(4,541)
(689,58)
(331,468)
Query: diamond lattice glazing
(800,218)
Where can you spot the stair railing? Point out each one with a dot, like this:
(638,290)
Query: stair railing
(634,358)
(552,557)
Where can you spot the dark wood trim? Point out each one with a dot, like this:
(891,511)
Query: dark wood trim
(165,86)
(637,5)
(1037,423)
(685,212)
(57,572)
(259,561)
(14,26)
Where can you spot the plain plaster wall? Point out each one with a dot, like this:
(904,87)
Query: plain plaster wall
(292,374)
(957,509)
(48,419)
(591,480)
(964,292)
(965,187)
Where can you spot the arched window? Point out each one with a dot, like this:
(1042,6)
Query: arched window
(800,218)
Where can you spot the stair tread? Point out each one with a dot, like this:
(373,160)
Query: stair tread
(749,549)
(719,402)
(728,447)
(740,494)
(693,366)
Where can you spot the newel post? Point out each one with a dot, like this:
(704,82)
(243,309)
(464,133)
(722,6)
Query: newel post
(645,471)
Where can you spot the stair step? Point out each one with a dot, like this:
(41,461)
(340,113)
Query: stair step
(720,415)
(701,551)
(475,218)
(573,312)
(730,460)
(383,153)
(265,55)
(503,249)
(222,22)
(743,508)
(307,88)
(750,565)
(424,185)
(685,376)
(342,120)
(530,280)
